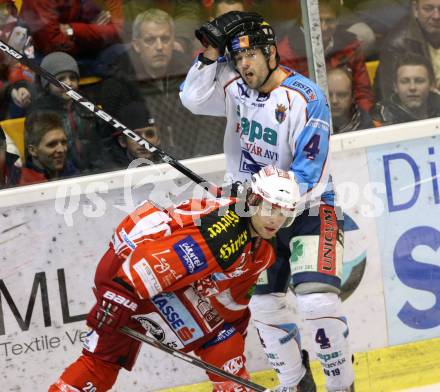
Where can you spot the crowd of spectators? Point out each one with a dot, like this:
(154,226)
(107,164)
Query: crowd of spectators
(137,53)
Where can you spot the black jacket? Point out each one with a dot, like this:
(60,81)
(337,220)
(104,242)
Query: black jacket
(180,130)
(393,112)
(360,119)
(11,173)
(82,130)
(406,37)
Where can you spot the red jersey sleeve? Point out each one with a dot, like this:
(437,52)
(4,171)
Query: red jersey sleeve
(168,264)
(237,284)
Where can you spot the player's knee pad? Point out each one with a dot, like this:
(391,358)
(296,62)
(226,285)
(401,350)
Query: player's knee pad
(271,308)
(282,346)
(322,313)
(317,305)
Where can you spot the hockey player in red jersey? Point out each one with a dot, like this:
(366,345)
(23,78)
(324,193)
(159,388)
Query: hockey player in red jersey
(184,277)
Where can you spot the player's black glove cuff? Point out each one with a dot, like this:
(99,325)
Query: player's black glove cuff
(205,60)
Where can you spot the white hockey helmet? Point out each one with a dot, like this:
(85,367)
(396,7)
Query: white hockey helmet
(277,187)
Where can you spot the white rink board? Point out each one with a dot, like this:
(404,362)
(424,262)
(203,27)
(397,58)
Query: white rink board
(57,254)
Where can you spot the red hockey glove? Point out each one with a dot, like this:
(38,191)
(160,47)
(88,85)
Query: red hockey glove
(114,307)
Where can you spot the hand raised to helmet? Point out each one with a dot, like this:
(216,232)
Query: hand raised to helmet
(218,32)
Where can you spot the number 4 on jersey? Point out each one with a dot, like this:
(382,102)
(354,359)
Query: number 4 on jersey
(322,339)
(312,147)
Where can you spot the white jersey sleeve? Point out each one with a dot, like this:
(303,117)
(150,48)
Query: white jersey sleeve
(203,91)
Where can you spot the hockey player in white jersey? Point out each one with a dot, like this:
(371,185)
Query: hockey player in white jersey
(277,116)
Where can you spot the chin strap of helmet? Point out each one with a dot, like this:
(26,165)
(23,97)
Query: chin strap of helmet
(266,52)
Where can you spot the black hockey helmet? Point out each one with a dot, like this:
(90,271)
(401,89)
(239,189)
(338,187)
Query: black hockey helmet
(257,36)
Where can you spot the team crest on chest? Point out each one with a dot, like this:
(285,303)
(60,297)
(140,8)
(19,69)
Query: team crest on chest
(280,113)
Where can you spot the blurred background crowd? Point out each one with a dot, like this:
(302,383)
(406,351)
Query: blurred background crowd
(131,56)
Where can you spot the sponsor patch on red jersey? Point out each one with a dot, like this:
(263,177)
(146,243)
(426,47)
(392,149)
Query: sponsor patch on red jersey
(190,255)
(178,317)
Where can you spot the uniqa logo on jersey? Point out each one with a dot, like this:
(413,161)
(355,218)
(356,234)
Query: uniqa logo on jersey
(355,259)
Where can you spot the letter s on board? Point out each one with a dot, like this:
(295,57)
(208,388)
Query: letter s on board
(420,276)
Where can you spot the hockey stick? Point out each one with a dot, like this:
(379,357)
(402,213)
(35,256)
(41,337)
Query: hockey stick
(167,158)
(194,361)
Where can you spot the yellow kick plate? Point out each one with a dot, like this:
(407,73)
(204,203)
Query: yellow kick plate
(383,370)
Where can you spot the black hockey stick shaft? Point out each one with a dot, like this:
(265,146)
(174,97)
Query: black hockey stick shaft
(216,191)
(193,360)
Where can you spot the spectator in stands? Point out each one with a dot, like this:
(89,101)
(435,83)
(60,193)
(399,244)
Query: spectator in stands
(341,49)
(81,126)
(346,114)
(186,16)
(351,22)
(81,28)
(223,6)
(379,15)
(137,118)
(152,71)
(16,80)
(413,98)
(9,172)
(46,150)
(418,33)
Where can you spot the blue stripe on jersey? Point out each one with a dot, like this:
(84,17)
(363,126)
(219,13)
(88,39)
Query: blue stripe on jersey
(311,149)
(312,145)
